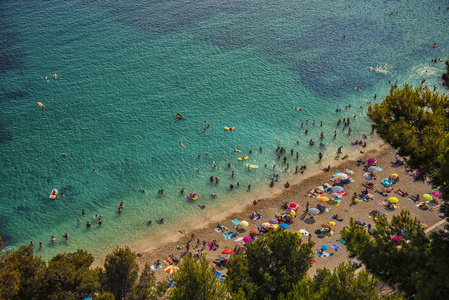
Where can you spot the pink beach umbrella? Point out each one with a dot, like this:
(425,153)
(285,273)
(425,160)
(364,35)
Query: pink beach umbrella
(293,206)
(247,239)
(371,161)
(436,194)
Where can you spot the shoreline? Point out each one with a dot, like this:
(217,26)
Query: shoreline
(162,245)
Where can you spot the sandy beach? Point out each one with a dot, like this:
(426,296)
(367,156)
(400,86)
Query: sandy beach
(161,247)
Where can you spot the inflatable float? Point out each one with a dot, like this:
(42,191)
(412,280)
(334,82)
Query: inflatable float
(40,104)
(192,196)
(250,167)
(180,117)
(226,128)
(243,158)
(53,194)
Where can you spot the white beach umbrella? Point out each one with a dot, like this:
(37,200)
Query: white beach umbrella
(342,176)
(372,169)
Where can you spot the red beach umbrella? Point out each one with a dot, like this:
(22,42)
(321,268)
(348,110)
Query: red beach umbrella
(227,251)
(293,206)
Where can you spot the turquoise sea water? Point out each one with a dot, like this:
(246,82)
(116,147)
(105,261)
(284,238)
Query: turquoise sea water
(125,68)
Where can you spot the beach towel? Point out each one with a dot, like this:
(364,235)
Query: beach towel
(337,195)
(347,171)
(154,267)
(335,202)
(382,203)
(366,175)
(335,174)
(313,261)
(219,230)
(335,247)
(225,236)
(343,194)
(379,169)
(324,254)
(257,218)
(341,241)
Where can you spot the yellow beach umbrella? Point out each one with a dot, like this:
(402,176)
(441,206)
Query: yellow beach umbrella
(244,224)
(323,199)
(393,200)
(331,223)
(394,175)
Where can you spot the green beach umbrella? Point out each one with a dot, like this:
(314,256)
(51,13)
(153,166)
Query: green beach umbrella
(427,197)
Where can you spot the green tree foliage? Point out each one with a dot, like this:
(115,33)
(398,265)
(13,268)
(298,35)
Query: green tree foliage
(121,272)
(274,263)
(20,274)
(68,276)
(146,287)
(416,122)
(341,284)
(408,265)
(196,280)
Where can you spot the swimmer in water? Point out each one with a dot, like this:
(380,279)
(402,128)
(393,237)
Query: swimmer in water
(214,195)
(63,154)
(122,204)
(182,145)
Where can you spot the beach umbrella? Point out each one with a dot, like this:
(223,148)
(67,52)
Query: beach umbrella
(342,176)
(171,269)
(227,251)
(244,224)
(254,231)
(394,175)
(293,205)
(247,239)
(265,224)
(323,199)
(331,223)
(235,222)
(393,200)
(287,218)
(285,226)
(314,211)
(427,197)
(338,189)
(292,213)
(324,247)
(371,160)
(436,194)
(372,169)
(324,225)
(239,239)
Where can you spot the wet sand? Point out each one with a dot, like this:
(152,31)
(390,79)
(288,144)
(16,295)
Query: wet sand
(161,247)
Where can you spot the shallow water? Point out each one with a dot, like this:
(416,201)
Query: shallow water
(125,68)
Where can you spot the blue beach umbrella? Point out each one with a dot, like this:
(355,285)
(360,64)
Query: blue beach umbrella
(324,247)
(285,226)
(338,189)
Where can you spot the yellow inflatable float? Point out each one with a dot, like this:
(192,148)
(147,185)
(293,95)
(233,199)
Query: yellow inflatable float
(40,104)
(226,128)
(243,158)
